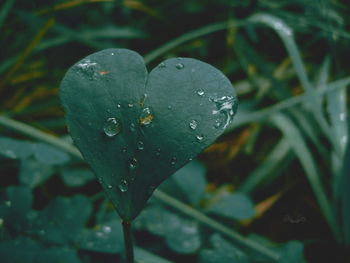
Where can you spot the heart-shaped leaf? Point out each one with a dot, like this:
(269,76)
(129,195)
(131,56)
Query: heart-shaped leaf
(136,129)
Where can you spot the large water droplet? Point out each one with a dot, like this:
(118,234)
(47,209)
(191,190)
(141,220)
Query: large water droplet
(123,185)
(200,92)
(133,163)
(227,106)
(140,146)
(112,127)
(88,68)
(146,117)
(179,66)
(193,124)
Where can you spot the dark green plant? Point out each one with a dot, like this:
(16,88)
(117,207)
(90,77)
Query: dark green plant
(135,129)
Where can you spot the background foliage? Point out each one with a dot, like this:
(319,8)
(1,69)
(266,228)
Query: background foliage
(273,188)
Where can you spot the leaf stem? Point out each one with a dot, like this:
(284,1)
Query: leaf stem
(129,249)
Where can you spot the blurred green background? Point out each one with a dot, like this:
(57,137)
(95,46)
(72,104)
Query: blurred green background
(285,150)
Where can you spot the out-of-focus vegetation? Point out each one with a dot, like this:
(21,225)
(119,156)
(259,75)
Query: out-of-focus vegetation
(276,185)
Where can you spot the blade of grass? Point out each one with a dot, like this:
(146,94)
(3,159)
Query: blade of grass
(143,256)
(275,158)
(5,10)
(69,4)
(27,51)
(259,115)
(39,135)
(286,35)
(297,143)
(346,196)
(151,56)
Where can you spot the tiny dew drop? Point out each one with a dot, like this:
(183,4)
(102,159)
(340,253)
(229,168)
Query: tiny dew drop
(130,105)
(133,163)
(200,92)
(193,124)
(119,105)
(173,161)
(140,146)
(112,127)
(162,65)
(124,150)
(179,66)
(146,117)
(158,152)
(123,186)
(109,186)
(106,229)
(132,127)
(199,137)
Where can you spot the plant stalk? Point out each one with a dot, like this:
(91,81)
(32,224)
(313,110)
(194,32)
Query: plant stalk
(129,249)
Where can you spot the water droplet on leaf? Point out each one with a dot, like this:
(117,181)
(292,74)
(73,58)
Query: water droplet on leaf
(130,105)
(193,124)
(109,186)
(88,68)
(123,186)
(173,161)
(179,66)
(133,163)
(199,137)
(158,152)
(162,65)
(146,117)
(200,92)
(106,229)
(124,150)
(227,106)
(112,127)
(140,145)
(132,127)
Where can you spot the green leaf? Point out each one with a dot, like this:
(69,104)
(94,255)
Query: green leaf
(106,238)
(222,251)
(191,180)
(63,219)
(48,154)
(136,130)
(26,250)
(15,149)
(181,235)
(292,252)
(33,172)
(76,177)
(184,238)
(142,256)
(157,220)
(16,207)
(235,206)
